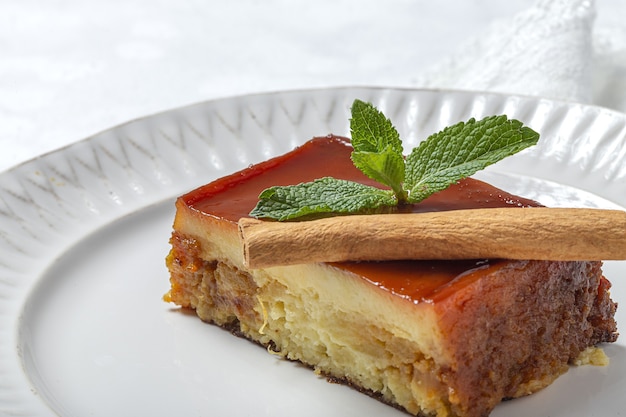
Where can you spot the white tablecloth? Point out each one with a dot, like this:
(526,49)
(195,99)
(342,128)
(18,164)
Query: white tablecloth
(71,68)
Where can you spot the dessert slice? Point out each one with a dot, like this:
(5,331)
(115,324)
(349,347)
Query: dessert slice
(436,338)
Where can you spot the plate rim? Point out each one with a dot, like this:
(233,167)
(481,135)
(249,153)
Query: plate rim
(18,170)
(158,113)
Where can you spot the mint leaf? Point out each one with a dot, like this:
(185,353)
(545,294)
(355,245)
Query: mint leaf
(444,158)
(386,167)
(324,195)
(377,147)
(371,131)
(461,150)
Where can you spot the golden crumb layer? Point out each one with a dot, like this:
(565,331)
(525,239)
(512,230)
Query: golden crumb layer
(504,335)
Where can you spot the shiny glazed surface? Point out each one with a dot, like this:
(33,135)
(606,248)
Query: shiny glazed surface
(232,197)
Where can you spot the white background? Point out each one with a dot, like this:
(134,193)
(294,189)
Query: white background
(70,68)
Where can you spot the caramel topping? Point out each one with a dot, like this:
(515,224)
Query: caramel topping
(419,281)
(234,196)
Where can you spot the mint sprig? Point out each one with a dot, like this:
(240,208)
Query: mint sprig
(324,195)
(377,147)
(461,150)
(442,159)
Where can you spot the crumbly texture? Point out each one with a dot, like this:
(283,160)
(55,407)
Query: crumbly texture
(592,356)
(505,335)
(309,324)
(515,331)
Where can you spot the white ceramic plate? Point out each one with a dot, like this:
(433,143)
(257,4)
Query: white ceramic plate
(84,231)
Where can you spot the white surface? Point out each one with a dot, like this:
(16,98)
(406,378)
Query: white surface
(70,68)
(83,235)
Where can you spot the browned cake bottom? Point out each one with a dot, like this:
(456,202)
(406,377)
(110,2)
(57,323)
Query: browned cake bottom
(505,335)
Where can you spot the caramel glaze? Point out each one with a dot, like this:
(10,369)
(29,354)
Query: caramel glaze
(234,196)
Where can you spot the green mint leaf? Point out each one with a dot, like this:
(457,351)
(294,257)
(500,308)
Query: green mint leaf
(377,147)
(386,167)
(444,158)
(371,130)
(461,150)
(324,195)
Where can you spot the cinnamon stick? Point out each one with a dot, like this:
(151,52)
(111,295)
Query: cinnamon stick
(557,234)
